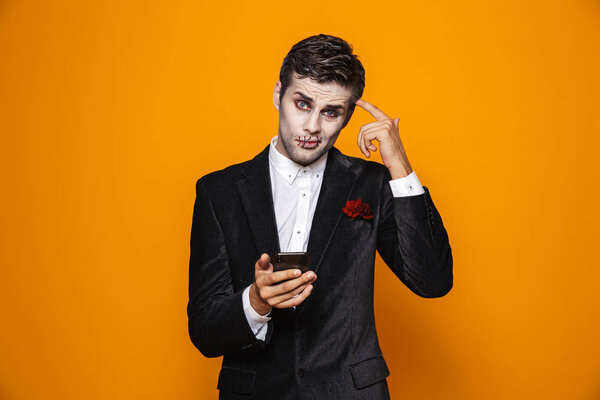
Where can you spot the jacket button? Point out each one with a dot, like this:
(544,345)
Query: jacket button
(300,372)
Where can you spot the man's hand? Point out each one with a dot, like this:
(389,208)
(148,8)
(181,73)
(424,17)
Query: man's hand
(385,131)
(265,293)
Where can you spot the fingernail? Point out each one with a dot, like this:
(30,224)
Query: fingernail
(311,275)
(296,272)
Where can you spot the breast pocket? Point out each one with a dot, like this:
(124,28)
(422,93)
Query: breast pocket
(359,227)
(369,371)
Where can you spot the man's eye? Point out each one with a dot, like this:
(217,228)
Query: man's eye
(302,105)
(332,114)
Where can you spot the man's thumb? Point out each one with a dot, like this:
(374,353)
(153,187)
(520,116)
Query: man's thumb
(396,120)
(263,261)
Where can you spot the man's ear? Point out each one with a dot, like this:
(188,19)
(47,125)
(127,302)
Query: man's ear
(276,95)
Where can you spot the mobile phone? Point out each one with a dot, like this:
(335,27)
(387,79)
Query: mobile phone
(291,260)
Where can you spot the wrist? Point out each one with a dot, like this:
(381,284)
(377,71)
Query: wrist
(400,171)
(257,303)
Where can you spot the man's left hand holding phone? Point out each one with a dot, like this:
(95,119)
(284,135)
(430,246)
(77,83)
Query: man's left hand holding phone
(284,288)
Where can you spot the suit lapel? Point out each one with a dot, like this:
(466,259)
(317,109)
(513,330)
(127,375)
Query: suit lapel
(338,182)
(257,199)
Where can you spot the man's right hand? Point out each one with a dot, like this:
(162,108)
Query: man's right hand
(265,293)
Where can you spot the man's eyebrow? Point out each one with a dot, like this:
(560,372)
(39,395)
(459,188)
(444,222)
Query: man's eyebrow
(309,100)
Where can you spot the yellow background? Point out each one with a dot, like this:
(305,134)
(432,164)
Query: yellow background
(110,111)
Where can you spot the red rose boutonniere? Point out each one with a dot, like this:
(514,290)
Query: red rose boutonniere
(358,209)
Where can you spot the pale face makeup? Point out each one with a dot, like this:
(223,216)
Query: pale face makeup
(311,116)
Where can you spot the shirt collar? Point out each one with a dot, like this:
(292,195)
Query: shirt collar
(289,169)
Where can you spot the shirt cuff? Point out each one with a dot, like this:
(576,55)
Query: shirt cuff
(407,186)
(257,322)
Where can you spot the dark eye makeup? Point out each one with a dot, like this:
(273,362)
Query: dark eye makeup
(303,105)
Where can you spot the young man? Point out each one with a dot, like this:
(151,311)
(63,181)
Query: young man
(287,334)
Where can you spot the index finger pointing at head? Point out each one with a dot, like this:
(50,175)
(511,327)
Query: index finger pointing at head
(374,111)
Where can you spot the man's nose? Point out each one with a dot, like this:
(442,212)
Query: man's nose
(313,123)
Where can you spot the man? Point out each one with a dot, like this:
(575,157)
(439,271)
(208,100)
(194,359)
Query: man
(287,334)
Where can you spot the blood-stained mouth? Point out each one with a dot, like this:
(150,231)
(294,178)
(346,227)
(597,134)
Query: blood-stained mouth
(307,142)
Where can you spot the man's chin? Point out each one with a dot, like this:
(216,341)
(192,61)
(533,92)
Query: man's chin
(306,156)
(306,160)
(302,161)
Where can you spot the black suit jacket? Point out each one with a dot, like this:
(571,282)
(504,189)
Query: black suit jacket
(327,347)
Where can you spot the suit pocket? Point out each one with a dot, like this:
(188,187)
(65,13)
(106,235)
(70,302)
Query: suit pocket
(369,371)
(236,380)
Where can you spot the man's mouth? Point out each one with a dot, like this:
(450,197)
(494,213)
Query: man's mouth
(308,142)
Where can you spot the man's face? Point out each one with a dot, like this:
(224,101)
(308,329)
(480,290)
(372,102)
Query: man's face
(311,116)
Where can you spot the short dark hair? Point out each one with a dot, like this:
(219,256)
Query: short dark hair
(324,58)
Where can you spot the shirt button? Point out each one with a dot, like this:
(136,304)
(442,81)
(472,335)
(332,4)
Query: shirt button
(304,171)
(300,372)
(298,232)
(303,194)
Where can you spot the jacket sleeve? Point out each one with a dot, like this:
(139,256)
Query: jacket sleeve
(216,320)
(413,242)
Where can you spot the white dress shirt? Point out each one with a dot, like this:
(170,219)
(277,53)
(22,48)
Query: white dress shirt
(295,193)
